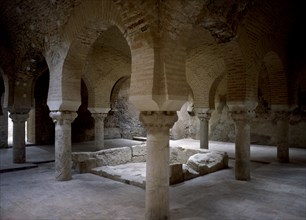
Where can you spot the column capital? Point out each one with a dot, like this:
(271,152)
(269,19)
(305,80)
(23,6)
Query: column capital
(158,120)
(203,113)
(99,116)
(19,117)
(99,110)
(63,117)
(242,116)
(204,116)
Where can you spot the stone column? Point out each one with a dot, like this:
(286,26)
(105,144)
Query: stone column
(3,129)
(99,129)
(19,152)
(63,161)
(31,128)
(157,162)
(204,117)
(3,123)
(282,122)
(242,144)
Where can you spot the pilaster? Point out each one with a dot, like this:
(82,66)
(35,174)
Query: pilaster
(63,162)
(157,165)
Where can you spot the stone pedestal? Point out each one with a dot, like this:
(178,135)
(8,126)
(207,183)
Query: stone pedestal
(242,144)
(63,160)
(99,129)
(282,121)
(204,131)
(157,168)
(19,152)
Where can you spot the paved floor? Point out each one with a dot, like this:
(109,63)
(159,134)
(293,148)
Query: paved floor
(276,191)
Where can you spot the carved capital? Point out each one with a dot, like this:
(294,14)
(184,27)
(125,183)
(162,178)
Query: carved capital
(158,120)
(99,116)
(204,116)
(99,110)
(242,116)
(19,117)
(63,117)
(203,113)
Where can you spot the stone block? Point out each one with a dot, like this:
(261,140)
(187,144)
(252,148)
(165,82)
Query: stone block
(176,173)
(81,156)
(138,159)
(139,150)
(204,163)
(189,173)
(173,155)
(115,156)
(86,166)
(181,155)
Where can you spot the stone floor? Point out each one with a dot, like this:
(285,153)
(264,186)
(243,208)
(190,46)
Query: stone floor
(276,191)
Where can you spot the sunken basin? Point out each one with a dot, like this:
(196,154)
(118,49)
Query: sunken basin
(127,164)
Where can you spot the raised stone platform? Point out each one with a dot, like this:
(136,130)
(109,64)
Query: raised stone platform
(127,164)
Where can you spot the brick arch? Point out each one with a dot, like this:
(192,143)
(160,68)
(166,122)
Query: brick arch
(103,69)
(270,53)
(88,20)
(213,90)
(204,64)
(277,79)
(204,85)
(95,12)
(241,86)
(116,83)
(90,90)
(8,89)
(268,44)
(4,89)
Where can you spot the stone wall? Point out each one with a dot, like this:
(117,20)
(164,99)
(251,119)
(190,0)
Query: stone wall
(123,117)
(187,125)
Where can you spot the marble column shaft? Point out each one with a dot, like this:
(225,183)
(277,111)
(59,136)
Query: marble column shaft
(19,151)
(157,163)
(242,144)
(99,129)
(63,161)
(204,130)
(282,118)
